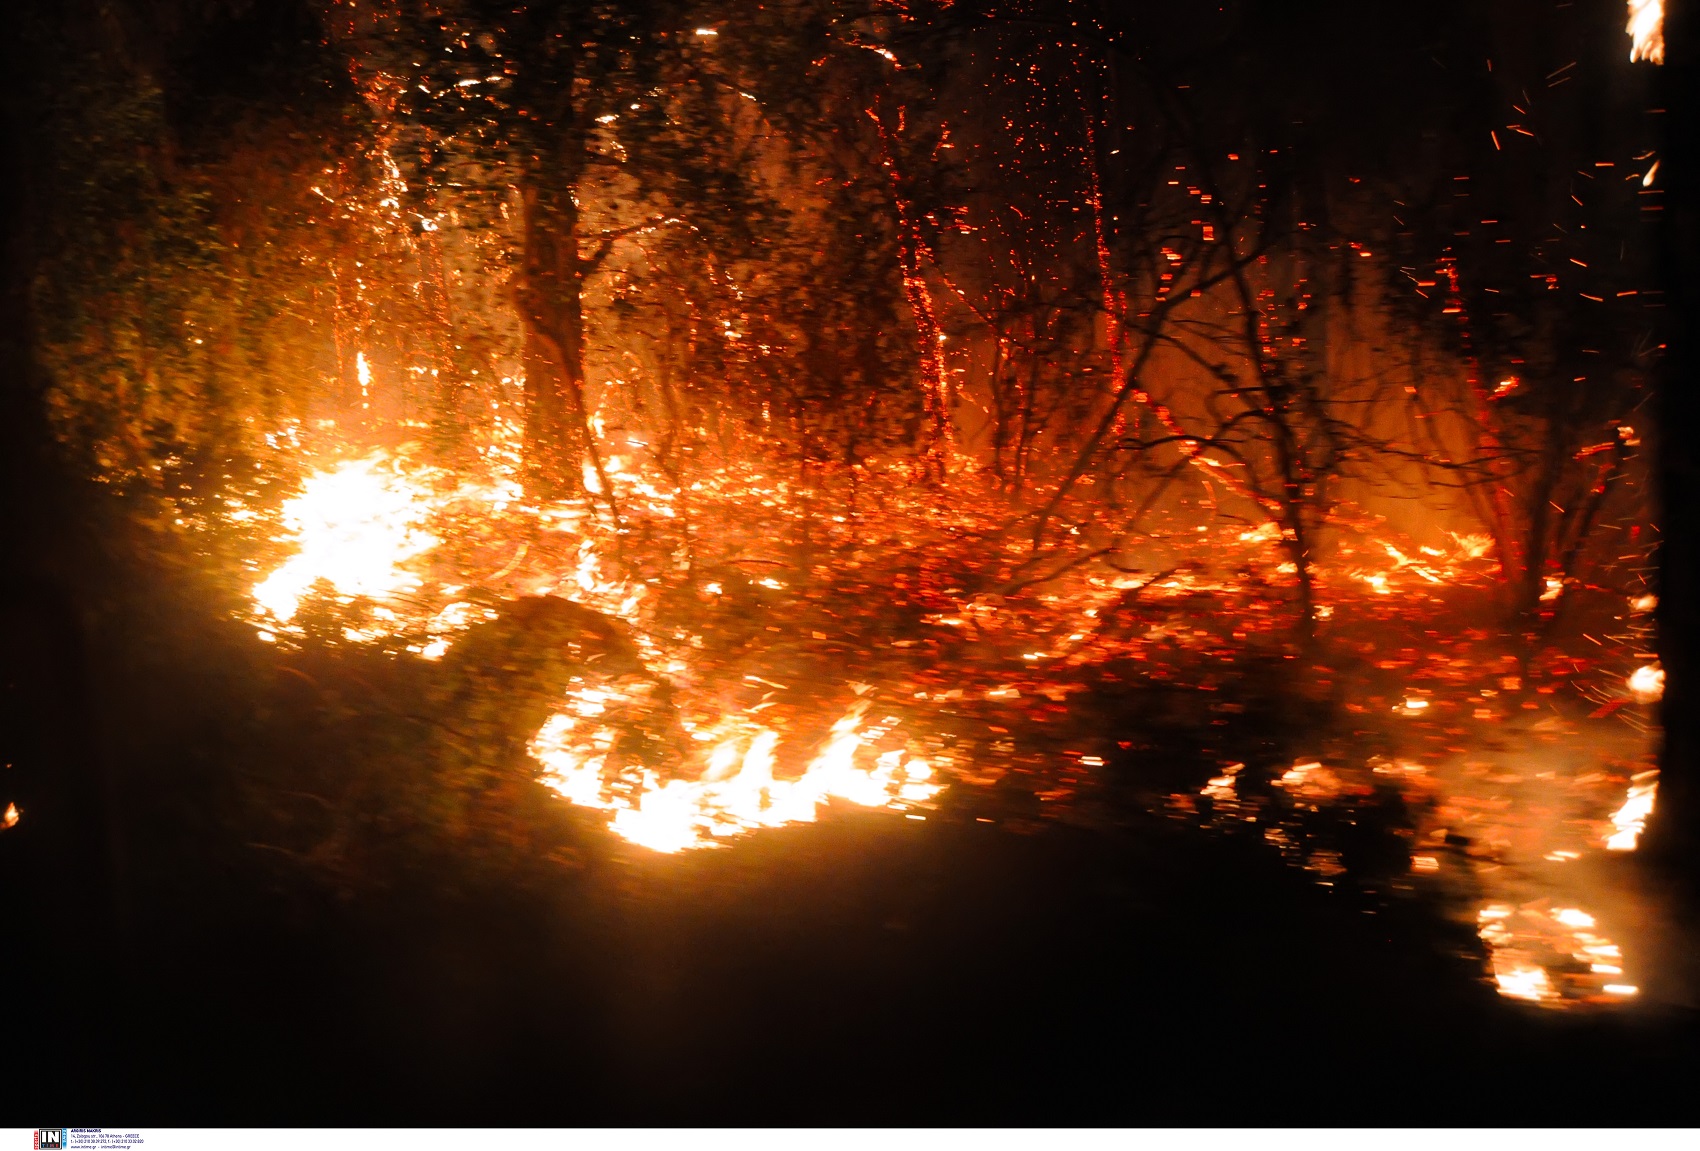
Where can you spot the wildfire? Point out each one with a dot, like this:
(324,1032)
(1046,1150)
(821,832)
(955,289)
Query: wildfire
(368,528)
(389,532)
(1646,30)
(737,789)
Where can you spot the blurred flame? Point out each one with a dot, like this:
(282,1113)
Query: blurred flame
(1631,819)
(1521,981)
(1222,787)
(1646,30)
(1549,956)
(10,818)
(1648,683)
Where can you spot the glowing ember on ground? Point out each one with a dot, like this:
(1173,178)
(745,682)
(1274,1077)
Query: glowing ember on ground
(736,791)
(10,818)
(1631,819)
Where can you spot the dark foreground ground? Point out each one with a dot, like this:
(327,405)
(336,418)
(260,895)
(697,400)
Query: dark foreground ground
(870,970)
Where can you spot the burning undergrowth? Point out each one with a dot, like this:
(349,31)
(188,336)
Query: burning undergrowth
(757,648)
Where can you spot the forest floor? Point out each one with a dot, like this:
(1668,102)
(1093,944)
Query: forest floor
(201,937)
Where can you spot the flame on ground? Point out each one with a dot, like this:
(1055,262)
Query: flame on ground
(1648,683)
(367,529)
(356,526)
(389,532)
(736,791)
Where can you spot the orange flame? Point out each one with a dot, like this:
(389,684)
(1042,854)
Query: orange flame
(736,791)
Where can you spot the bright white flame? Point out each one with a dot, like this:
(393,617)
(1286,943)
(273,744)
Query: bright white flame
(1646,30)
(356,527)
(1648,683)
(736,790)
(1525,982)
(1532,950)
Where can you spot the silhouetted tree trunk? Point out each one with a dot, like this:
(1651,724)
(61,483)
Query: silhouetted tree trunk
(558,436)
